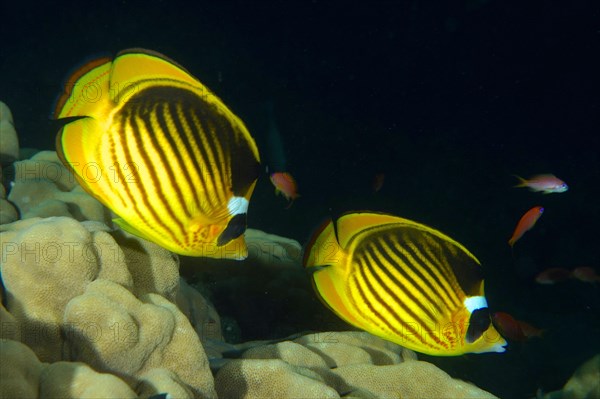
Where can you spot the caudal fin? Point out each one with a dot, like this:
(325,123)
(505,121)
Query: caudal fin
(522,181)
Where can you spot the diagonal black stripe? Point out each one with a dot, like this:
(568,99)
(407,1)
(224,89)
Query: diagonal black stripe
(205,164)
(378,250)
(429,289)
(213,168)
(373,253)
(362,284)
(125,116)
(428,252)
(151,171)
(434,246)
(440,285)
(374,316)
(118,182)
(175,165)
(185,128)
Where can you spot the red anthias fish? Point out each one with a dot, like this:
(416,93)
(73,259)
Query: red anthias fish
(286,185)
(553,275)
(526,223)
(586,274)
(514,329)
(547,184)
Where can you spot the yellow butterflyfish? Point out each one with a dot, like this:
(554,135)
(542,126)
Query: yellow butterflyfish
(153,144)
(404,282)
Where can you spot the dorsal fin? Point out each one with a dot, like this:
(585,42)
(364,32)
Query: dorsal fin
(83,89)
(349,224)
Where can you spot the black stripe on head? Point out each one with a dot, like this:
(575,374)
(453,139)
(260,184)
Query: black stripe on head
(479,322)
(235,228)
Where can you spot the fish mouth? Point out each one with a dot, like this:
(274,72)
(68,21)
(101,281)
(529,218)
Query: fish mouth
(235,228)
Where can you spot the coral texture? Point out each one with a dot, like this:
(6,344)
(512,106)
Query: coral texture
(354,364)
(77,294)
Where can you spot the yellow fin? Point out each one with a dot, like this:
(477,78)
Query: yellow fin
(323,248)
(136,64)
(326,261)
(86,91)
(75,146)
(349,224)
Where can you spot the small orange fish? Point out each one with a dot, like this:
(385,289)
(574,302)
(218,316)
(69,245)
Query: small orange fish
(586,274)
(553,275)
(514,329)
(547,184)
(526,222)
(508,326)
(530,331)
(285,185)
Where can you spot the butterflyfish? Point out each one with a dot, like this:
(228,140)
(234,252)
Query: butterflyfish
(159,149)
(404,282)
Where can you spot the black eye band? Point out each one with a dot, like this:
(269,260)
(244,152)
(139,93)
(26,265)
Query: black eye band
(235,228)
(478,323)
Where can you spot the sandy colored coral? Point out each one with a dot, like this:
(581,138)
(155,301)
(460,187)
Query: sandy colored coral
(270,378)
(583,384)
(407,380)
(24,376)
(77,294)
(8,212)
(290,352)
(119,333)
(352,347)
(46,262)
(5,113)
(42,181)
(9,143)
(354,364)
(153,268)
(272,250)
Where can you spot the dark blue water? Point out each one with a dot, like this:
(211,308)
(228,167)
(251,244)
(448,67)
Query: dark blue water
(448,101)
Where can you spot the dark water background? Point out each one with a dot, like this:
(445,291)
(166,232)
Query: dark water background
(448,100)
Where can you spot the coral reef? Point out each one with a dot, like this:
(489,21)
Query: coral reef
(27,377)
(583,384)
(44,187)
(9,142)
(9,152)
(325,365)
(78,294)
(90,311)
